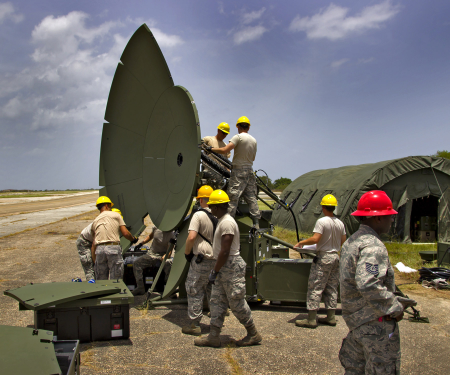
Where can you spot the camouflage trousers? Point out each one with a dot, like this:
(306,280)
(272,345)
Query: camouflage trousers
(243,183)
(323,279)
(229,289)
(84,251)
(372,348)
(149,260)
(108,262)
(197,286)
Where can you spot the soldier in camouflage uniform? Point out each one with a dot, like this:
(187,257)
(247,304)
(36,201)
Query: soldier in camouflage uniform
(227,277)
(84,245)
(213,178)
(153,258)
(199,254)
(369,305)
(242,182)
(106,251)
(329,235)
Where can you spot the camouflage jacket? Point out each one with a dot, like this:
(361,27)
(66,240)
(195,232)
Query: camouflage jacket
(366,278)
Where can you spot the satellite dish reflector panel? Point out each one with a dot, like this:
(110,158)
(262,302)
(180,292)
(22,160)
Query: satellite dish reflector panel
(149,161)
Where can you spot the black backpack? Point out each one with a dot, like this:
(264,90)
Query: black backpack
(214,222)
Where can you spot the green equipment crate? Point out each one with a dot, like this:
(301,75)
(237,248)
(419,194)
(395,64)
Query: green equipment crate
(443,254)
(283,279)
(32,351)
(82,311)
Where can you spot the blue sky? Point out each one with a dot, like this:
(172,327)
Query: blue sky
(325,84)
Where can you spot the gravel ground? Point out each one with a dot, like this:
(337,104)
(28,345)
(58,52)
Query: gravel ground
(157,346)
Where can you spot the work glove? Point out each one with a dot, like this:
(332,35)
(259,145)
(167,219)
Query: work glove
(204,146)
(138,246)
(406,302)
(135,239)
(189,256)
(212,276)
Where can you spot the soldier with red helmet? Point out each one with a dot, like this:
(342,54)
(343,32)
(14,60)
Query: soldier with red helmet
(370,308)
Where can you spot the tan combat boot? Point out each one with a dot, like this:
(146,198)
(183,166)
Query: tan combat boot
(310,322)
(330,319)
(140,290)
(213,339)
(252,338)
(192,329)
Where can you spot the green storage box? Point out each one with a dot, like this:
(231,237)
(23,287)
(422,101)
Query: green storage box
(78,311)
(32,351)
(283,279)
(443,254)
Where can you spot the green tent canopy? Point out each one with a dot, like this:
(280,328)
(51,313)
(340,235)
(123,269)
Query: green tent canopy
(415,185)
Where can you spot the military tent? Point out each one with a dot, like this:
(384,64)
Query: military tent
(415,185)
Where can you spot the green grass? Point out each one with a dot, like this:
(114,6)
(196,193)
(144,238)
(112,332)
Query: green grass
(262,206)
(289,235)
(41,194)
(408,254)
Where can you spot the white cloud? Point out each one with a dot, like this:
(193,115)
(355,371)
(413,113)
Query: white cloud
(333,23)
(36,152)
(252,16)
(163,39)
(68,82)
(338,63)
(221,7)
(166,40)
(7,12)
(249,33)
(245,33)
(365,61)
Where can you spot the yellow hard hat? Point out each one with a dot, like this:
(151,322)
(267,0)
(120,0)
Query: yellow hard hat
(223,126)
(218,197)
(329,200)
(243,119)
(104,199)
(118,211)
(204,192)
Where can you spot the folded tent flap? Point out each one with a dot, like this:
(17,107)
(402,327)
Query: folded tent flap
(31,351)
(41,296)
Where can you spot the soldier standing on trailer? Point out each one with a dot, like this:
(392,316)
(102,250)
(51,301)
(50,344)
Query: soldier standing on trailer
(369,306)
(227,277)
(242,181)
(329,235)
(199,254)
(106,250)
(153,258)
(216,141)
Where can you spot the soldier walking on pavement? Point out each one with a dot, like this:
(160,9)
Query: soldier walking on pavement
(329,235)
(242,181)
(227,277)
(153,258)
(106,250)
(199,254)
(369,306)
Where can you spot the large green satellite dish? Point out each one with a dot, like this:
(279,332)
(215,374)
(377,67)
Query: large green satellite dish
(149,159)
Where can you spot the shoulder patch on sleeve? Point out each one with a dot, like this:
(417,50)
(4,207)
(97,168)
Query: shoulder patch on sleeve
(372,268)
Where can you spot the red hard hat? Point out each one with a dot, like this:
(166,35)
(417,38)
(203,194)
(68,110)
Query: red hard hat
(374,203)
